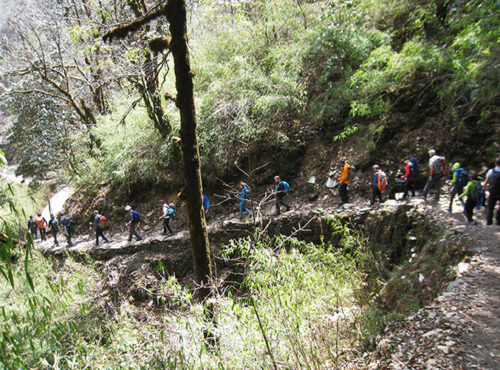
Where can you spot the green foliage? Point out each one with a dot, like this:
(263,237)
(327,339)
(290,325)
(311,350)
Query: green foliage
(248,79)
(38,131)
(17,202)
(3,160)
(134,153)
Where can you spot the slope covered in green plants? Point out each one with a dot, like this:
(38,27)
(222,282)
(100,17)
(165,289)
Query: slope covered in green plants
(274,76)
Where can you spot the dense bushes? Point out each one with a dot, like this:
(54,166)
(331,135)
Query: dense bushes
(276,73)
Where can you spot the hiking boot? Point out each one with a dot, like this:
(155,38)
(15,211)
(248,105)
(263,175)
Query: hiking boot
(449,210)
(472,223)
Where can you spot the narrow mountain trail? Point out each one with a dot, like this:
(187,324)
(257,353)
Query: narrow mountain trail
(459,329)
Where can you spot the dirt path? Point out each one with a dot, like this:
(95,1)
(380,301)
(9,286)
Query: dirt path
(461,328)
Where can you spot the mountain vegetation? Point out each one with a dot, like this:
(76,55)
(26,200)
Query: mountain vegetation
(118,99)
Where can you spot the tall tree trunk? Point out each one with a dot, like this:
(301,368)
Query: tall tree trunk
(176,16)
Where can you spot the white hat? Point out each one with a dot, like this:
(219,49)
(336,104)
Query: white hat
(128,208)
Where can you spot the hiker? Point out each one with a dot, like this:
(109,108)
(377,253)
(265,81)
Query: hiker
(32,227)
(54,228)
(168,211)
(437,168)
(280,191)
(473,192)
(343,179)
(244,197)
(378,184)
(68,228)
(133,218)
(459,180)
(206,203)
(99,222)
(412,171)
(42,226)
(492,184)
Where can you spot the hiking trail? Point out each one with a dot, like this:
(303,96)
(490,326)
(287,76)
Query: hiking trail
(459,329)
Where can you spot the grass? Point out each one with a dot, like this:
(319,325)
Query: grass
(298,304)
(17,203)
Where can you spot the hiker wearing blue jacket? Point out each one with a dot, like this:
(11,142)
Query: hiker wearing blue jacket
(244,197)
(133,218)
(280,191)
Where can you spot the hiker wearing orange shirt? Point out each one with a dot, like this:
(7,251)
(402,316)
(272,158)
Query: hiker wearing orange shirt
(343,179)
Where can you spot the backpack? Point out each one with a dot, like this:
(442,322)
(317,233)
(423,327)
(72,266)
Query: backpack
(439,164)
(41,222)
(351,174)
(494,183)
(478,193)
(286,186)
(171,212)
(206,203)
(462,177)
(414,168)
(136,216)
(54,225)
(103,221)
(382,181)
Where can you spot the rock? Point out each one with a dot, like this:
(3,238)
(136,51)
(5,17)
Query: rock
(463,267)
(455,284)
(444,349)
(432,332)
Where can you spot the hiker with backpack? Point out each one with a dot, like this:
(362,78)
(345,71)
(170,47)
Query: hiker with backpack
(492,184)
(99,223)
(437,169)
(54,228)
(378,185)
(280,192)
(244,197)
(344,178)
(68,228)
(133,218)
(459,180)
(32,227)
(473,191)
(42,226)
(412,172)
(168,212)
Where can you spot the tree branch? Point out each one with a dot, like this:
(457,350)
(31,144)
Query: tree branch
(123,30)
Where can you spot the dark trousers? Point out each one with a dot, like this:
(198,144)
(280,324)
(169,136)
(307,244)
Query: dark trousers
(69,233)
(492,200)
(99,233)
(470,203)
(409,187)
(54,234)
(43,234)
(133,232)
(166,225)
(454,191)
(33,232)
(375,194)
(280,201)
(344,197)
(435,183)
